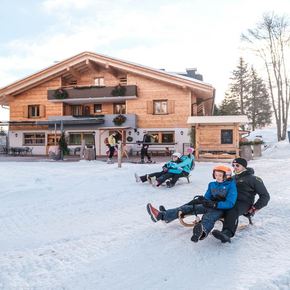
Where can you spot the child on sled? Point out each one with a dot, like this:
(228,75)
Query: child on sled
(220,195)
(179,166)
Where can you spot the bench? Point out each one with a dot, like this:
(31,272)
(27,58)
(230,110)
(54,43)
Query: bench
(157,151)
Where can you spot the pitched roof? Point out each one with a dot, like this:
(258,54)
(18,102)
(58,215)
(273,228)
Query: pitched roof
(91,61)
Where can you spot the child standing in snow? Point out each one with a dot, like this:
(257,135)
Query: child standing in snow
(220,195)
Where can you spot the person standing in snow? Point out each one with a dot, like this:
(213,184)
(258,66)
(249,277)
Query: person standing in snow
(168,170)
(248,185)
(144,149)
(112,144)
(220,195)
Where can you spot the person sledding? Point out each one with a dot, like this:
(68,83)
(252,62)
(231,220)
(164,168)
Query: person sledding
(220,195)
(168,170)
(248,185)
(179,167)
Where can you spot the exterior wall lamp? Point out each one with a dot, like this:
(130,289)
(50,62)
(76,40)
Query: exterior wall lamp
(129,133)
(16,134)
(181,132)
(138,133)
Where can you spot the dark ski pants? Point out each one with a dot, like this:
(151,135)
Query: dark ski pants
(210,216)
(232,216)
(160,176)
(111,151)
(175,177)
(144,153)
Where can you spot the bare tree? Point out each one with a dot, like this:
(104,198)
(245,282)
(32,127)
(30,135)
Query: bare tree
(270,40)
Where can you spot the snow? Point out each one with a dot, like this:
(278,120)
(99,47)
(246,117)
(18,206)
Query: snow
(84,225)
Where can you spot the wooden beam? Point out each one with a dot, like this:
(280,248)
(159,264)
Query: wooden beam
(111,70)
(73,72)
(9,98)
(92,65)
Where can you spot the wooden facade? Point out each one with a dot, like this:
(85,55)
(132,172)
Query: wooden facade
(31,99)
(217,137)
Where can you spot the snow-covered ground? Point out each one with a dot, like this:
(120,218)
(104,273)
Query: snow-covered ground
(85,226)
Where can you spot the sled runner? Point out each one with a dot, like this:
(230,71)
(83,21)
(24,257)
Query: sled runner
(181,218)
(179,183)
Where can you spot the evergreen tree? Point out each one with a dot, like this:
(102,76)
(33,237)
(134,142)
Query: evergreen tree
(229,106)
(239,88)
(258,102)
(2,132)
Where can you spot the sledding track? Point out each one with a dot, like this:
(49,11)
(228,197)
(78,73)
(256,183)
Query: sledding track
(85,226)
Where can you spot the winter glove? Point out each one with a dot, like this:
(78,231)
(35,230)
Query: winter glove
(251,212)
(209,203)
(165,169)
(196,200)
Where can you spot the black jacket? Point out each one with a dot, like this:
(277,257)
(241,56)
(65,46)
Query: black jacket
(248,185)
(146,139)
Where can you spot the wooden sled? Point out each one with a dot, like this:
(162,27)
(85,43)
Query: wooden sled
(177,183)
(197,220)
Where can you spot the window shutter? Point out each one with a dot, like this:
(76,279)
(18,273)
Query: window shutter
(110,109)
(68,110)
(25,111)
(170,107)
(41,110)
(149,107)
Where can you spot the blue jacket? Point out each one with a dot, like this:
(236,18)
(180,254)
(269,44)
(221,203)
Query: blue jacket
(225,193)
(173,167)
(185,164)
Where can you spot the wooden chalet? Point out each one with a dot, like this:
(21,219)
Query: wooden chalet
(217,137)
(154,99)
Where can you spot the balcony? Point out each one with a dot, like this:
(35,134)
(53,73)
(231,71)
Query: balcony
(92,95)
(91,122)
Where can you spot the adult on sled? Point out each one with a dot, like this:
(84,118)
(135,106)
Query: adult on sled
(167,171)
(111,146)
(220,195)
(248,185)
(144,152)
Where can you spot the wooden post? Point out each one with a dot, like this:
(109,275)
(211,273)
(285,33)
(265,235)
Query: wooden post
(119,154)
(257,150)
(196,141)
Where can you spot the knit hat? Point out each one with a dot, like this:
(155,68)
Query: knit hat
(241,161)
(189,150)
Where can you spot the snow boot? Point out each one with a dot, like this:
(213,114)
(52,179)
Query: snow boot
(169,184)
(224,236)
(154,213)
(109,161)
(198,233)
(155,182)
(138,179)
(149,161)
(142,161)
(162,208)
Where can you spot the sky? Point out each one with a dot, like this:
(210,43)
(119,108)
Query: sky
(163,34)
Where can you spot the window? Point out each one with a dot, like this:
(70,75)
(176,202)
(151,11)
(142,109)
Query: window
(76,138)
(99,82)
(98,108)
(226,136)
(33,111)
(160,107)
(119,109)
(162,137)
(76,110)
(123,81)
(34,138)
